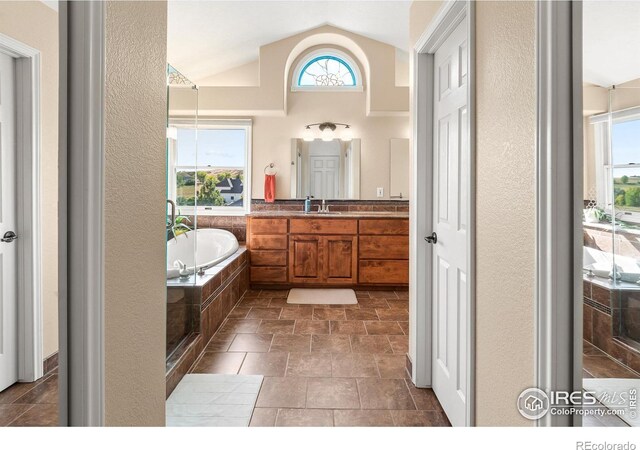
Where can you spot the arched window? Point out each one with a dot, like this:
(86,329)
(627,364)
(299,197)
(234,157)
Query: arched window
(327,69)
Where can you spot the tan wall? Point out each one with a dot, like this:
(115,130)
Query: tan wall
(36,25)
(270,97)
(245,75)
(135,117)
(420,16)
(505,206)
(505,203)
(272,139)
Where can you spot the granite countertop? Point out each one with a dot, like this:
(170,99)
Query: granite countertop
(336,214)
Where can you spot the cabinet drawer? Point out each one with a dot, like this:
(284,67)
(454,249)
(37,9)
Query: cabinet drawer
(268,258)
(268,274)
(384,247)
(324,226)
(384,226)
(384,272)
(268,226)
(268,242)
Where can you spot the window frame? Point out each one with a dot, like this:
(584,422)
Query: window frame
(173,168)
(332,53)
(604,166)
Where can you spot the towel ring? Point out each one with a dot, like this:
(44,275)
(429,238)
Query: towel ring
(270,166)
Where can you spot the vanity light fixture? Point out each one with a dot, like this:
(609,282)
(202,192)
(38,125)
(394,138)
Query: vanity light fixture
(327,131)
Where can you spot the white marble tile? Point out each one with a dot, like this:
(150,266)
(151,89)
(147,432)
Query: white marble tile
(207,422)
(229,411)
(213,400)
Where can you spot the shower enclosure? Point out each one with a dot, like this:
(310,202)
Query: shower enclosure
(612,217)
(611,257)
(182,102)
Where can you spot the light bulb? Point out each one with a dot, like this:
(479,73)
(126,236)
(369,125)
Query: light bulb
(347,134)
(307,135)
(327,134)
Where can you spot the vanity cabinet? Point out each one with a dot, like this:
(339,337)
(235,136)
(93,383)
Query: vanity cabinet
(268,243)
(323,251)
(328,251)
(384,251)
(317,259)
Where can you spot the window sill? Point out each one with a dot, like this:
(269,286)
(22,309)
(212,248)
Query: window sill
(608,227)
(190,211)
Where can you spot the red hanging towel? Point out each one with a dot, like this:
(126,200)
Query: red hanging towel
(269,188)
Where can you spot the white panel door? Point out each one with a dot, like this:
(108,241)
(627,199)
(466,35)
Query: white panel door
(8,250)
(450,224)
(324,176)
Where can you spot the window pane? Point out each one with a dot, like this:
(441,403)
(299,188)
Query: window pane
(625,142)
(626,189)
(185,188)
(211,167)
(222,148)
(221,187)
(327,71)
(215,148)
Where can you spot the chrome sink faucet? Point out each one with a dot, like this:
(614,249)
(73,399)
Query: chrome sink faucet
(324,208)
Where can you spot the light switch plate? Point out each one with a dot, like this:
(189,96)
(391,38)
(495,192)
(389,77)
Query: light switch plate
(380,192)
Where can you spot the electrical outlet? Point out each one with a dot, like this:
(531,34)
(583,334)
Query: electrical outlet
(380,192)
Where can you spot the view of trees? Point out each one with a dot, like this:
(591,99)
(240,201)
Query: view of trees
(206,190)
(627,191)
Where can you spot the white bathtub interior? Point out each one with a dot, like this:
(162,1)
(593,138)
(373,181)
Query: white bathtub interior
(198,250)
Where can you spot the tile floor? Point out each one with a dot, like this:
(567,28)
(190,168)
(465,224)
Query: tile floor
(31,404)
(338,365)
(596,364)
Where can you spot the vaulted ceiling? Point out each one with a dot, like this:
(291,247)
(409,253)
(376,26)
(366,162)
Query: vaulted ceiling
(205,38)
(611,41)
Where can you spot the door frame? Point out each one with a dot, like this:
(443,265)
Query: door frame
(81,206)
(448,17)
(28,223)
(559,204)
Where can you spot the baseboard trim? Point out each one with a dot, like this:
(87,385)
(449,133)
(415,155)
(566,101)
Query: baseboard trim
(50,363)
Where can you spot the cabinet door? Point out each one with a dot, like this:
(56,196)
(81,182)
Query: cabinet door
(305,259)
(340,259)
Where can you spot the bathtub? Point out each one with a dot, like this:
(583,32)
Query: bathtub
(213,246)
(600,264)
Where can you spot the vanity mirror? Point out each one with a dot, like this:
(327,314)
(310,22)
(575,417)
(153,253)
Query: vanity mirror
(325,169)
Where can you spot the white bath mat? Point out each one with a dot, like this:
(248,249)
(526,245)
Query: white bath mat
(322,297)
(611,392)
(203,400)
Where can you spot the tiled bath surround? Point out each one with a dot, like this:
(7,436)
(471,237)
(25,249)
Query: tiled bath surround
(611,321)
(238,224)
(203,306)
(599,236)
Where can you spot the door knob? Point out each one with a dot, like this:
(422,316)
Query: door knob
(432,239)
(9,236)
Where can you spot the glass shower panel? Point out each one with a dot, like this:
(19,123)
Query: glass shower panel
(625,181)
(182,185)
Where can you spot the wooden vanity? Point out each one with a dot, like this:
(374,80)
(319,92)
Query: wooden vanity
(355,250)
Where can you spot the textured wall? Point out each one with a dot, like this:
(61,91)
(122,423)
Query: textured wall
(135,178)
(36,25)
(505,206)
